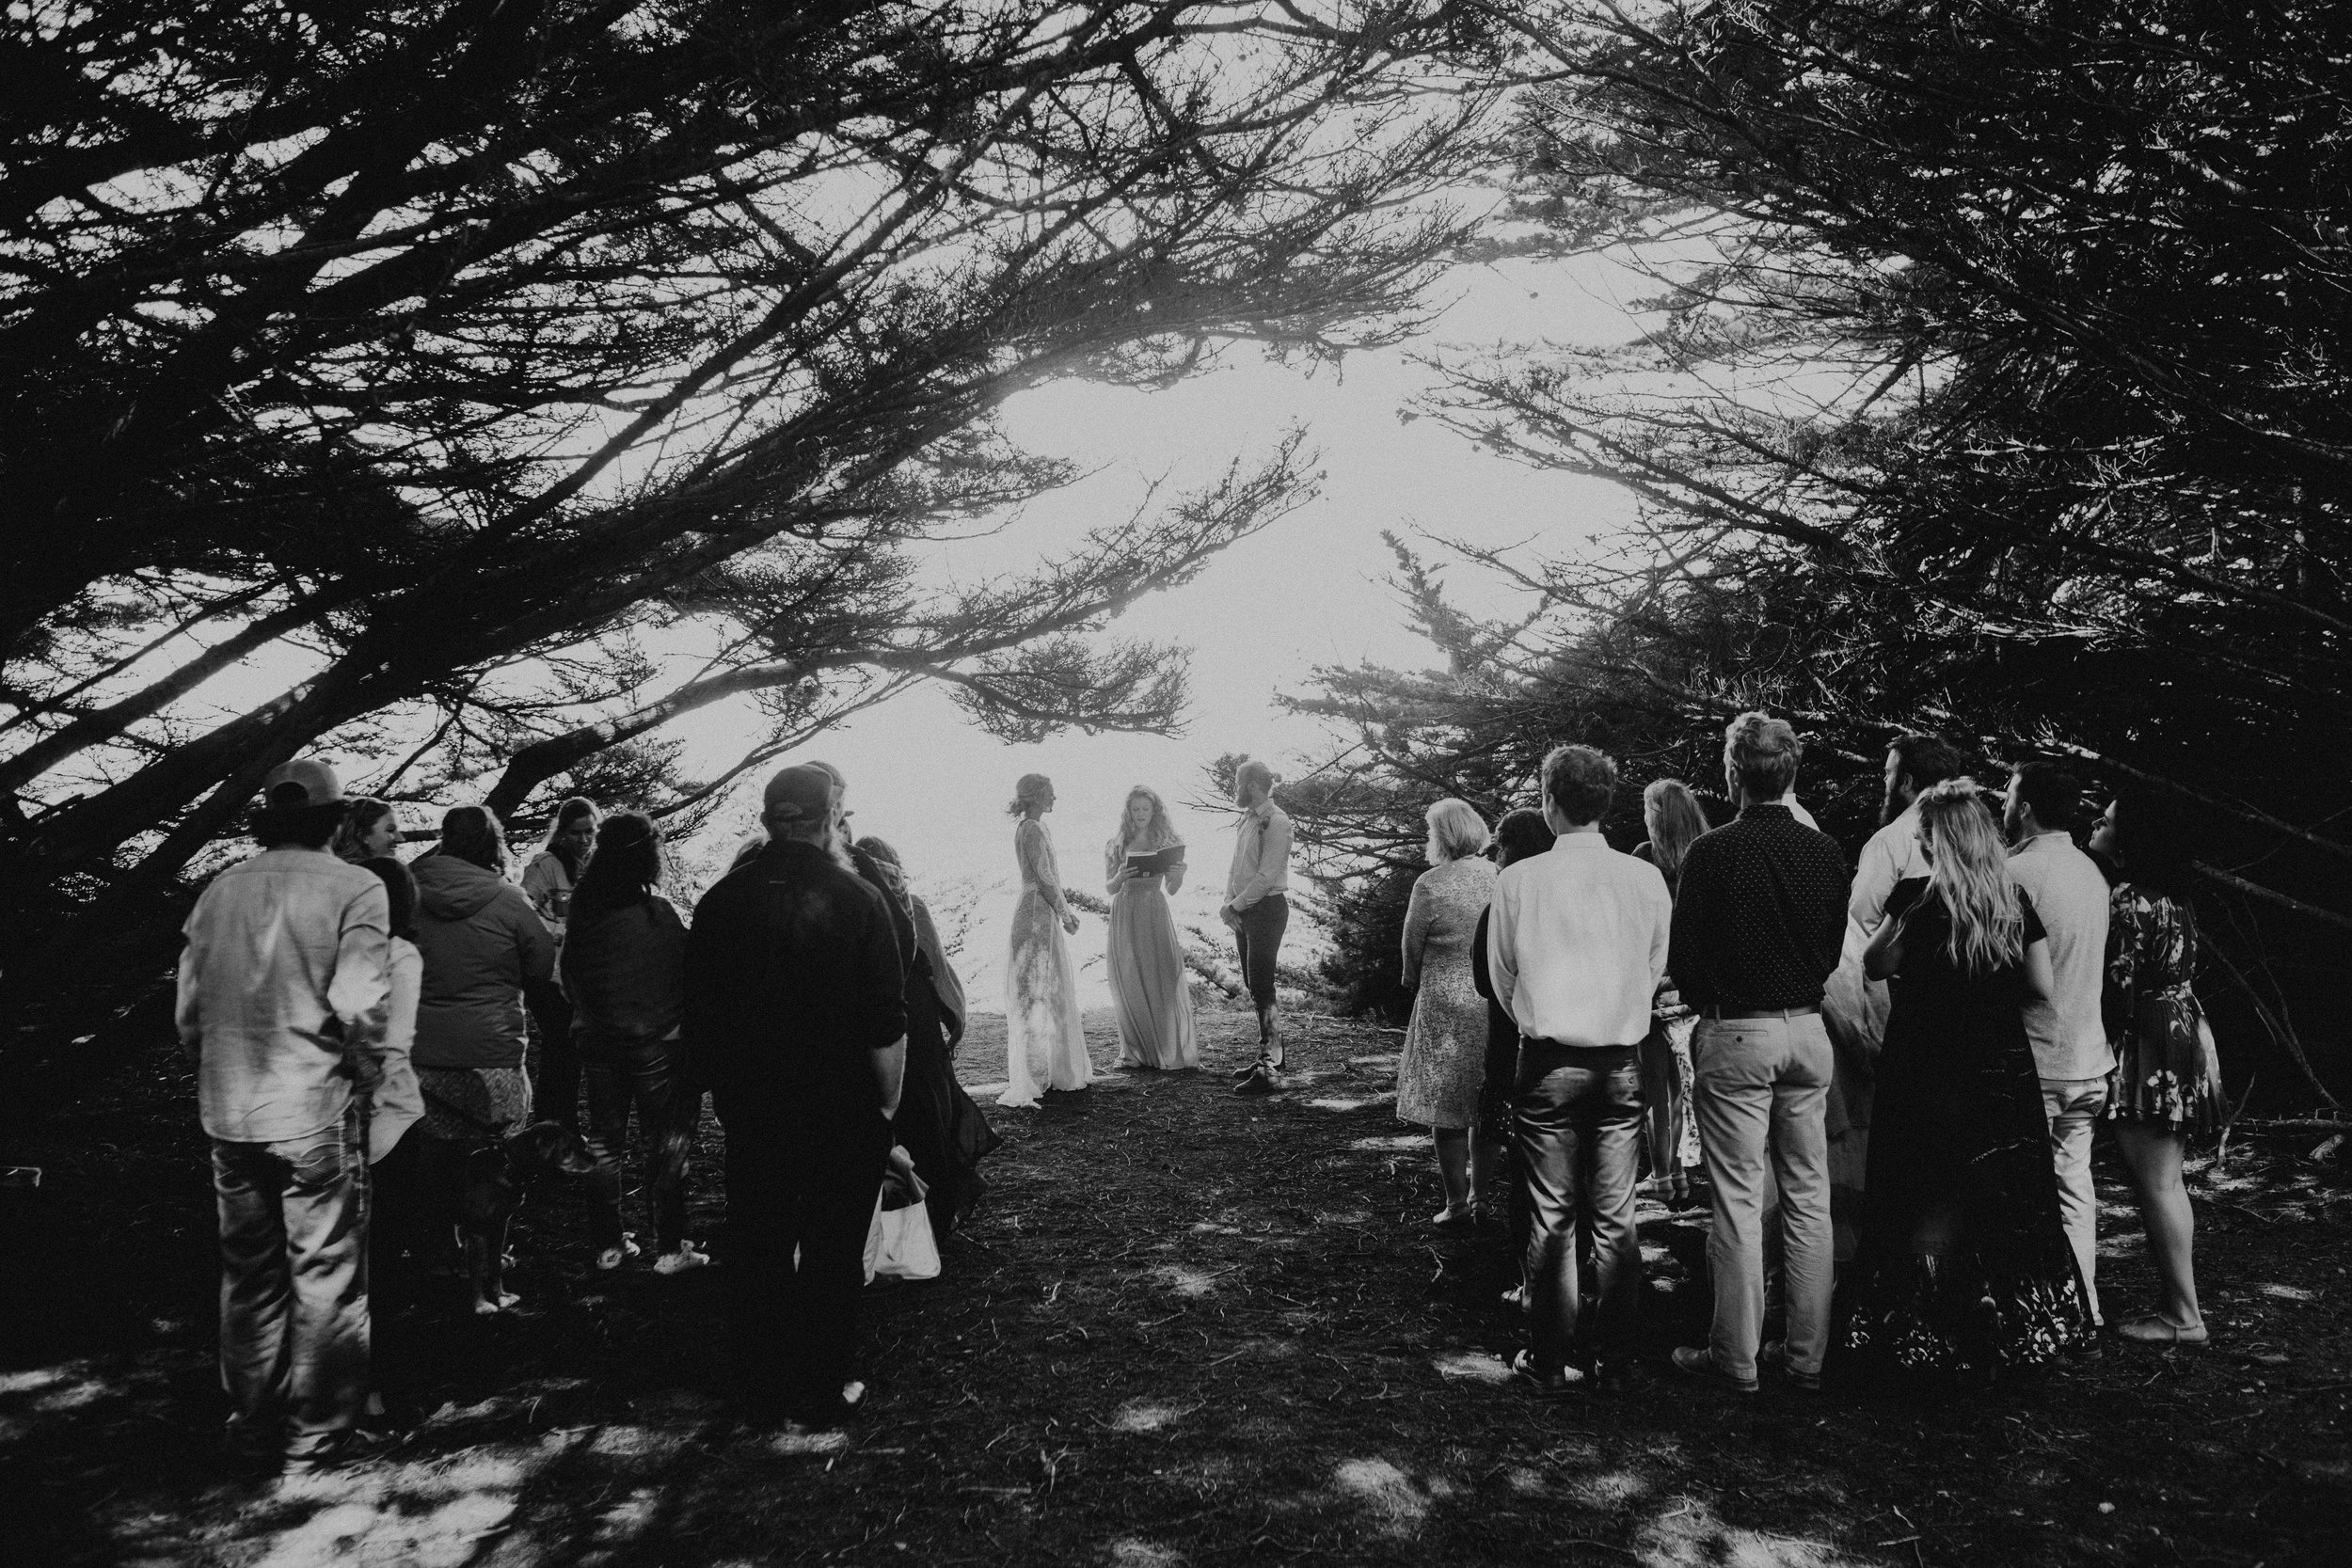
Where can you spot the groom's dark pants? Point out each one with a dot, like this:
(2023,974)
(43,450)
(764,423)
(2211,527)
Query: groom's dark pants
(798,1179)
(1257,940)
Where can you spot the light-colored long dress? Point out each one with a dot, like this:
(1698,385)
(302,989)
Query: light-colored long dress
(1147,967)
(1045,1045)
(1445,1048)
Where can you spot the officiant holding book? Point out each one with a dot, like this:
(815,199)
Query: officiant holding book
(1143,863)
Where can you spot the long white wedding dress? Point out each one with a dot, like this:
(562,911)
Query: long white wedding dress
(1046,1046)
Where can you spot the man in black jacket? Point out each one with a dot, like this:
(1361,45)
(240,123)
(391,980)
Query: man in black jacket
(796,1019)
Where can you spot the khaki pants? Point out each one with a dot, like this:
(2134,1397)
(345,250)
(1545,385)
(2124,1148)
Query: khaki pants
(1761,1087)
(294,1283)
(2073,1106)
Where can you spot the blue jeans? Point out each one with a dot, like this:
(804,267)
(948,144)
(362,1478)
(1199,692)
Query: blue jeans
(1580,1125)
(294,1283)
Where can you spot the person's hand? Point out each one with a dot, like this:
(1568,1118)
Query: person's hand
(1228,915)
(1070,924)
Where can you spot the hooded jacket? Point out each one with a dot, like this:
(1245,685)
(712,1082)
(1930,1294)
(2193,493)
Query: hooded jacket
(482,940)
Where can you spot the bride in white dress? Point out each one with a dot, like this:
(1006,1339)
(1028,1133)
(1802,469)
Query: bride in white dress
(1045,1045)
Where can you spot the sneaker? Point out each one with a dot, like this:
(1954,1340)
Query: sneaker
(1242,1072)
(613,1257)
(350,1446)
(1700,1364)
(1261,1081)
(687,1255)
(1556,1381)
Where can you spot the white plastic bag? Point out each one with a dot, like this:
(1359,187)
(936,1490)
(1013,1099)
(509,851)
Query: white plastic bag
(899,1244)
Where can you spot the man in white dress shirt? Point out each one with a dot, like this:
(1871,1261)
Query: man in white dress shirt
(1576,947)
(1257,910)
(1856,1005)
(2070,1040)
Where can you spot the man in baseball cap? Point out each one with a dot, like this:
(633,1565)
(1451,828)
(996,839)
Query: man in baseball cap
(796,1018)
(283,999)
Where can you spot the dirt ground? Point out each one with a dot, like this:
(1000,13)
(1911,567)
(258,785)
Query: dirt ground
(1186,1327)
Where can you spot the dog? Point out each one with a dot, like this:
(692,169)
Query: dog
(495,1182)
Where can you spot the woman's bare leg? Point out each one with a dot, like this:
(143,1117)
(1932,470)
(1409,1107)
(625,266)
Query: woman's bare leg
(1454,1167)
(2154,1154)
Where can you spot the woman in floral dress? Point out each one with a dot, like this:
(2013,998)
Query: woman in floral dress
(2165,1084)
(1963,1271)
(1445,1048)
(1045,1045)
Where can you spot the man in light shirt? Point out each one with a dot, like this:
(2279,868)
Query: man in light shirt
(1577,943)
(283,999)
(1855,1006)
(1257,909)
(2070,1040)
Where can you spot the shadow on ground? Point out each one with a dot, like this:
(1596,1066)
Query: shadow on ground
(1187,1327)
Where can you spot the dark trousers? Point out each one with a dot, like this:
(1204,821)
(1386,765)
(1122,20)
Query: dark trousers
(645,1073)
(1580,1123)
(555,1073)
(806,1182)
(1257,940)
(294,1283)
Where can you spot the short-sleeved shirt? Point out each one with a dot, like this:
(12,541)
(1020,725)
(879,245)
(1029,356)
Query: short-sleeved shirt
(792,981)
(1759,914)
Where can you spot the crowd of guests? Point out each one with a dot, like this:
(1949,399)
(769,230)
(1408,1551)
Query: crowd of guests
(1893,1068)
(387,1052)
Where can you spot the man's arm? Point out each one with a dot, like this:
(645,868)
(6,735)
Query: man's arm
(1690,932)
(1874,877)
(1503,961)
(187,1011)
(1661,907)
(1274,855)
(890,1074)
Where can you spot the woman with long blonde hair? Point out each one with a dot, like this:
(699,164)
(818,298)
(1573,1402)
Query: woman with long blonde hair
(1142,864)
(1964,1272)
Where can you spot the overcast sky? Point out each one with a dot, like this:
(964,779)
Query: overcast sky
(1307,592)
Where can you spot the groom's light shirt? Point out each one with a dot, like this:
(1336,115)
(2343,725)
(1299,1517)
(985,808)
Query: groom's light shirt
(1577,941)
(1262,856)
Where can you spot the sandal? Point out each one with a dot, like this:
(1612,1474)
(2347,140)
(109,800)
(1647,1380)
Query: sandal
(1451,1219)
(2154,1330)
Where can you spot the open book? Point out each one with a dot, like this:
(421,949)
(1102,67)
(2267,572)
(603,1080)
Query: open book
(1159,860)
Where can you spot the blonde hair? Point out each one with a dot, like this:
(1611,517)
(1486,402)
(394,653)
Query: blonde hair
(1457,831)
(1158,834)
(1027,788)
(1970,873)
(1674,817)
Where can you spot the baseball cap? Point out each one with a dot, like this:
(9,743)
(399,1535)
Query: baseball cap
(303,782)
(797,793)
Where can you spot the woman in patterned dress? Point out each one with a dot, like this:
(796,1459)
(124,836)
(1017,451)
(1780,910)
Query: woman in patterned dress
(1045,1045)
(1964,1272)
(2166,1084)
(1445,1048)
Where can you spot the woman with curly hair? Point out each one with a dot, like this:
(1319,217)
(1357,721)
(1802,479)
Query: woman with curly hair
(1964,1272)
(1142,864)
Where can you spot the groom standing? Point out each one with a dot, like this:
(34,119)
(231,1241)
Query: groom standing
(1257,907)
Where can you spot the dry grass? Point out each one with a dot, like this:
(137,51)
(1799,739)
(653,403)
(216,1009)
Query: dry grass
(1187,1328)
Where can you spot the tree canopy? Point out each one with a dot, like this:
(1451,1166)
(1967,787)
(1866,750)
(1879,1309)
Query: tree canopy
(441,355)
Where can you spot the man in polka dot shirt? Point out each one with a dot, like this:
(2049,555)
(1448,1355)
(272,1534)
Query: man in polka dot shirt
(1759,918)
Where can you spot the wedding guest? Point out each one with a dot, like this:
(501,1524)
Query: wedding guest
(2070,1038)
(1964,1272)
(1045,1045)
(1855,1006)
(624,972)
(1759,919)
(796,1018)
(1671,817)
(370,830)
(548,882)
(1444,1061)
(938,1125)
(1146,961)
(482,943)
(283,1000)
(1579,939)
(397,1206)
(1518,833)
(1257,911)
(2168,1081)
